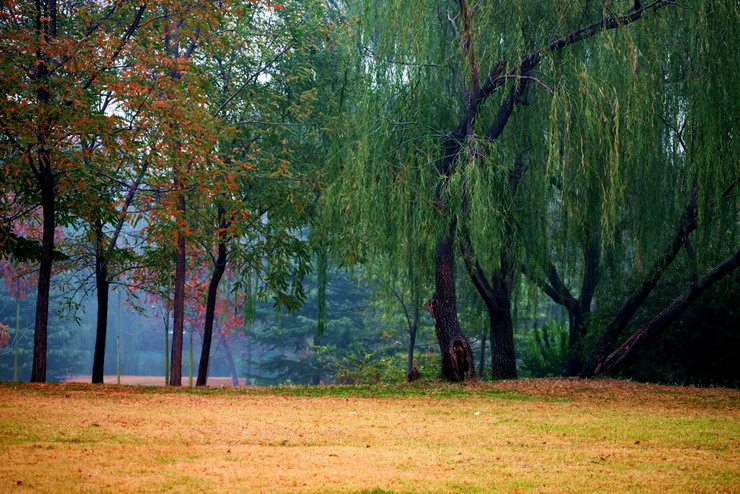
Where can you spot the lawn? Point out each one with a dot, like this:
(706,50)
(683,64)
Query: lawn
(544,435)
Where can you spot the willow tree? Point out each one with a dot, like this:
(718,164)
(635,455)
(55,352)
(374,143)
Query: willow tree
(696,112)
(443,81)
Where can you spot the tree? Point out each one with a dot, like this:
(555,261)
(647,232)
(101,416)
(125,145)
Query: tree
(56,57)
(696,149)
(414,59)
(260,71)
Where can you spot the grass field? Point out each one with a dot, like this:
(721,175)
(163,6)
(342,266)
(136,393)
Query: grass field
(551,435)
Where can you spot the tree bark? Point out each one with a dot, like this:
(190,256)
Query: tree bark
(503,356)
(102,288)
(639,339)
(45,30)
(458,362)
(48,205)
(178,321)
(205,353)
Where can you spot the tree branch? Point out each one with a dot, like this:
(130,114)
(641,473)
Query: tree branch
(622,355)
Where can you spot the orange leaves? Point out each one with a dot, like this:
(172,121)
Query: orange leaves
(4,336)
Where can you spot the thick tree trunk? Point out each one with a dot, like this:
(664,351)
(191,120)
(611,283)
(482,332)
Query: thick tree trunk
(178,319)
(458,362)
(503,356)
(205,353)
(48,204)
(497,297)
(626,352)
(102,287)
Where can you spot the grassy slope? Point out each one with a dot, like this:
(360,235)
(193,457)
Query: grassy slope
(552,435)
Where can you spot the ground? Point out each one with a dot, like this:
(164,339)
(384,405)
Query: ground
(544,435)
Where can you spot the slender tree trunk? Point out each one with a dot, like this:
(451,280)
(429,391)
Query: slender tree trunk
(102,288)
(410,353)
(190,357)
(322,266)
(178,322)
(46,30)
(639,339)
(167,347)
(118,340)
(412,373)
(458,362)
(482,356)
(248,361)
(205,353)
(576,333)
(230,361)
(17,339)
(48,204)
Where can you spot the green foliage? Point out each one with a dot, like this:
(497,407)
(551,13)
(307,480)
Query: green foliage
(360,367)
(545,350)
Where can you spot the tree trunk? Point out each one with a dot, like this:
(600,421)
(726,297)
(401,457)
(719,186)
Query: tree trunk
(621,319)
(576,333)
(166,347)
(17,339)
(230,361)
(482,356)
(322,265)
(45,30)
(205,353)
(190,357)
(497,297)
(48,204)
(248,361)
(102,288)
(503,357)
(458,362)
(178,321)
(626,352)
(410,354)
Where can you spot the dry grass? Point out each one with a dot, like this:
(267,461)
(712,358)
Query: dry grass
(153,380)
(552,435)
